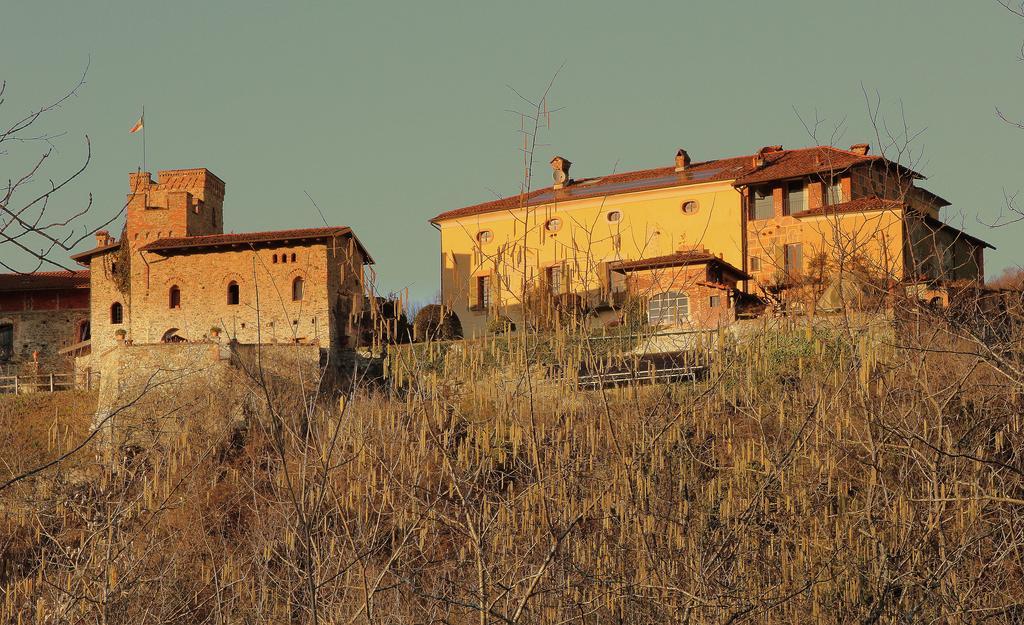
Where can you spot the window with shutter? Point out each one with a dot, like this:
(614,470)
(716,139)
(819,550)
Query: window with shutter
(483,292)
(794,259)
(6,342)
(795,198)
(834,192)
(554,279)
(762,206)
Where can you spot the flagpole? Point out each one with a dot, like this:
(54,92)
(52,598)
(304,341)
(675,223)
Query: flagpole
(143,118)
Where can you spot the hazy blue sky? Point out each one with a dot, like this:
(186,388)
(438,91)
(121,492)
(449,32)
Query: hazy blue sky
(388,113)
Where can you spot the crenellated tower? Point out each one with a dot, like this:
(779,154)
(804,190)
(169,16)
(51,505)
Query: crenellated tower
(181,203)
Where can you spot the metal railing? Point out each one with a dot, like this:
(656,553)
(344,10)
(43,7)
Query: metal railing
(49,382)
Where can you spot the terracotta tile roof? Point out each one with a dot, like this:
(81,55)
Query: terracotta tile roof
(778,165)
(805,162)
(82,258)
(44,281)
(678,259)
(178,244)
(859,205)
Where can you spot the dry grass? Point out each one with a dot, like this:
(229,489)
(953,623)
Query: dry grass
(817,474)
(35,428)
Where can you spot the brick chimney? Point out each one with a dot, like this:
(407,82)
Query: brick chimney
(560,171)
(103,238)
(860,149)
(759,159)
(682,160)
(181,203)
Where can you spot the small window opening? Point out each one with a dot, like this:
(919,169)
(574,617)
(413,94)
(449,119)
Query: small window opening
(297,285)
(233,293)
(116,313)
(174,298)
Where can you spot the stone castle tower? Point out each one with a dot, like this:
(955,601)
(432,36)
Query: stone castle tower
(182,203)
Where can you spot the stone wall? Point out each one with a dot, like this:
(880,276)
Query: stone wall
(103,294)
(46,332)
(266,311)
(182,202)
(151,392)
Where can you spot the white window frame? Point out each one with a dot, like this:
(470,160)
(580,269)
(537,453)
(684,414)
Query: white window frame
(668,308)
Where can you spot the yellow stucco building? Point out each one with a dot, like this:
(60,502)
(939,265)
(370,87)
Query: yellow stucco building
(694,239)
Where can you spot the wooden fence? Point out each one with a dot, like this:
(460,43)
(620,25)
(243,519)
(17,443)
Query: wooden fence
(49,382)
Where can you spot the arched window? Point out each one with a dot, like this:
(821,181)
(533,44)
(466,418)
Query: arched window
(275,259)
(233,293)
(6,342)
(297,285)
(174,297)
(668,308)
(172,336)
(116,314)
(293,257)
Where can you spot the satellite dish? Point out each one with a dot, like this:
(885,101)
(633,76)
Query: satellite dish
(559,176)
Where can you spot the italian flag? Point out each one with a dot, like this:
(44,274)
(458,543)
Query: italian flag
(137,127)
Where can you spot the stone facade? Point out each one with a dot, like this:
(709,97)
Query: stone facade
(151,392)
(43,316)
(174,277)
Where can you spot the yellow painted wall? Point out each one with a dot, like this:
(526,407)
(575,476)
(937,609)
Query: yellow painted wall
(652,224)
(874,235)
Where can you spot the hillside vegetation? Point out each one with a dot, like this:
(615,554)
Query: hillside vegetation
(816,473)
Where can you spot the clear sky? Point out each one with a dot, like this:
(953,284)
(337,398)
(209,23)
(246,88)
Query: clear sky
(389,113)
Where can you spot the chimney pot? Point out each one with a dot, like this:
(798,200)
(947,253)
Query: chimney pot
(860,148)
(102,238)
(682,160)
(560,171)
